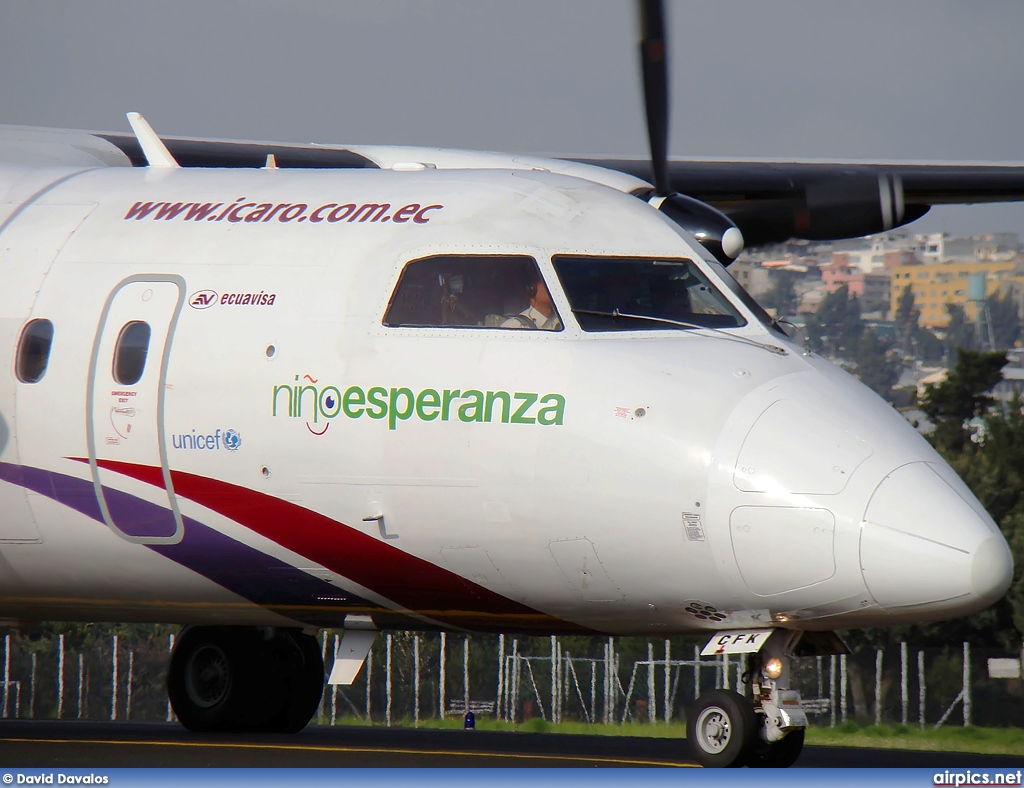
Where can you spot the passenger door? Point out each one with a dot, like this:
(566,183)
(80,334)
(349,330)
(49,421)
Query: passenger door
(125,404)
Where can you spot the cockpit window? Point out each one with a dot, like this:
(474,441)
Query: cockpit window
(472,292)
(746,299)
(631,294)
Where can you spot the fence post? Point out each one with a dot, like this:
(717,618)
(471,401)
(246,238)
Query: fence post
(369,686)
(32,690)
(832,690)
(920,688)
(607,683)
(554,679)
(696,672)
(60,675)
(128,690)
(499,709)
(561,681)
(323,695)
(513,698)
(652,700)
(842,684)
(668,678)
(81,682)
(416,680)
(113,678)
(967,683)
(904,683)
(170,711)
(593,690)
(334,687)
(617,685)
(465,674)
(441,679)
(387,686)
(7,673)
(878,686)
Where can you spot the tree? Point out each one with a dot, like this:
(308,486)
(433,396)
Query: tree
(1006,326)
(962,396)
(960,333)
(781,297)
(874,367)
(992,465)
(907,316)
(815,334)
(927,346)
(838,322)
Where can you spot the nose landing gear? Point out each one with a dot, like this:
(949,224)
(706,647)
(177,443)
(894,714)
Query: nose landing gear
(726,729)
(233,678)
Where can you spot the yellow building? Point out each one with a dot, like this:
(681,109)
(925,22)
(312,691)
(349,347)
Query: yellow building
(936,284)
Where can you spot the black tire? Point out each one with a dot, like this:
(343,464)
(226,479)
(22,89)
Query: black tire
(303,685)
(208,681)
(778,754)
(720,728)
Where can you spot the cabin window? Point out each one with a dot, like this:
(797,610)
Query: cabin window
(635,294)
(472,292)
(34,350)
(130,352)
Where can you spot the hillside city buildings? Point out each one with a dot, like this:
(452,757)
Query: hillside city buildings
(939,269)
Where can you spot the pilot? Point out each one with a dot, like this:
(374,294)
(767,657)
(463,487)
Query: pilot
(540,313)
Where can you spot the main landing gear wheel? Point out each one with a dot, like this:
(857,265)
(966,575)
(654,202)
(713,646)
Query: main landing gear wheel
(720,728)
(208,677)
(303,682)
(234,678)
(778,754)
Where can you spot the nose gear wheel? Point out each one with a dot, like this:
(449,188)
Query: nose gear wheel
(714,730)
(720,728)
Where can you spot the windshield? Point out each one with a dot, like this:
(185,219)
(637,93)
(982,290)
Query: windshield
(618,293)
(746,299)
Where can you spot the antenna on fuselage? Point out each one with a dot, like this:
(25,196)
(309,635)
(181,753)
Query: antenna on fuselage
(153,148)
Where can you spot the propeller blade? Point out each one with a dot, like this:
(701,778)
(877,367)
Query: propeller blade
(655,76)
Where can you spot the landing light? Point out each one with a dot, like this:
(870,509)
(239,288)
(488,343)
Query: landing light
(773,668)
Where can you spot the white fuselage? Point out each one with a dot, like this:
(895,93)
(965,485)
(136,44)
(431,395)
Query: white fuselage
(642,481)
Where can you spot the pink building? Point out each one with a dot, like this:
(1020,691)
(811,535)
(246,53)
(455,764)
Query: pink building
(871,289)
(839,272)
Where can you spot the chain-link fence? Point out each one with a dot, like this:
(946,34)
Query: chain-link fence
(96,673)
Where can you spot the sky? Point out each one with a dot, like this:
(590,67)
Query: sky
(873,79)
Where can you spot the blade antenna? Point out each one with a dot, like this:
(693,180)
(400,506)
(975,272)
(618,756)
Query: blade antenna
(655,75)
(153,148)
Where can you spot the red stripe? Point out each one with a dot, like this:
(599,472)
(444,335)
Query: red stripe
(415,584)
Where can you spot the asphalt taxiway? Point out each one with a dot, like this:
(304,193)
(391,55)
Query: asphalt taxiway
(49,743)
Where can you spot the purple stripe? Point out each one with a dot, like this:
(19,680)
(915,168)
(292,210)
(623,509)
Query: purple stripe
(140,521)
(254,575)
(79,494)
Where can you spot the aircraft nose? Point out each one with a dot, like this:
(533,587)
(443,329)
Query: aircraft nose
(926,547)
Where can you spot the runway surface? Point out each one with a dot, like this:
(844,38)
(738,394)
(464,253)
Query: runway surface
(45,743)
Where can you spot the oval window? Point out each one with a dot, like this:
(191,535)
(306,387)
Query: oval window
(34,350)
(130,353)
